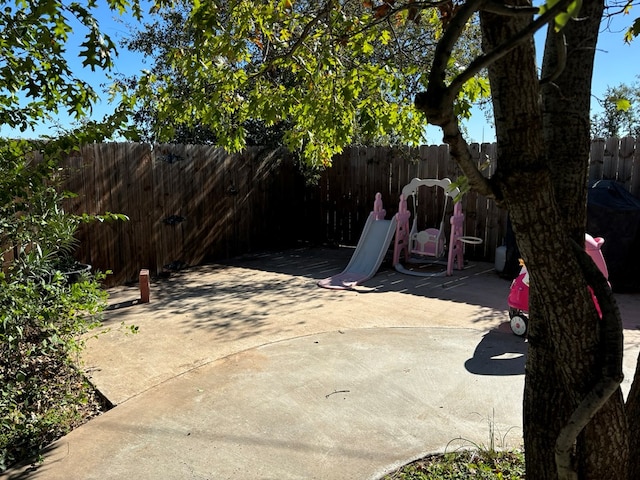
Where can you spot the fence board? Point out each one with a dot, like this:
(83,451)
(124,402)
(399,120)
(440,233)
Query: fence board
(361,190)
(399,170)
(220,195)
(635,170)
(100,180)
(239,176)
(140,186)
(203,204)
(426,199)
(625,162)
(610,164)
(596,157)
(494,234)
(470,207)
(159,167)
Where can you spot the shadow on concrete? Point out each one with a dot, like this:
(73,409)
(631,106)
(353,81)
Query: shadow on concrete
(469,285)
(123,304)
(233,302)
(477,284)
(499,353)
(236,298)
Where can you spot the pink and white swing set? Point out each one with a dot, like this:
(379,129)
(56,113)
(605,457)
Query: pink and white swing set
(429,246)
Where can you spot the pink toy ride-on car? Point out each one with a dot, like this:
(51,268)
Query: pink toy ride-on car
(518,299)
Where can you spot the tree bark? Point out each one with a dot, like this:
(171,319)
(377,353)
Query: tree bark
(540,431)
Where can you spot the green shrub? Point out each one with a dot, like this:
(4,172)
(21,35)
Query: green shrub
(42,393)
(43,312)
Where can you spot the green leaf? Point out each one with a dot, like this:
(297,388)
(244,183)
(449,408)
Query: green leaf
(633,31)
(622,104)
(562,18)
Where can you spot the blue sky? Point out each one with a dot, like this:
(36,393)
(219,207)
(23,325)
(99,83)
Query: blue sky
(615,63)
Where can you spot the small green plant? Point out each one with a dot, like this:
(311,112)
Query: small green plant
(35,230)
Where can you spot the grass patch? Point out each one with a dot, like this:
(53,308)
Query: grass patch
(465,464)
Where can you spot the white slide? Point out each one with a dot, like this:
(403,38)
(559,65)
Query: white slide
(372,247)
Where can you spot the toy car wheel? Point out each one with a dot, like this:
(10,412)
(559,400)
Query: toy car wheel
(519,324)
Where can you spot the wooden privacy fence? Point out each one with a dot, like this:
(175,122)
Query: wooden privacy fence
(192,204)
(616,159)
(186,205)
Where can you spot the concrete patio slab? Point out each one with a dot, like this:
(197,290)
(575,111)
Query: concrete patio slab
(248,370)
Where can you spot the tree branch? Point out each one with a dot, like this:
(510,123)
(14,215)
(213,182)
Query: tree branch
(505,47)
(500,8)
(393,10)
(561,57)
(301,38)
(459,149)
(449,38)
(438,101)
(581,416)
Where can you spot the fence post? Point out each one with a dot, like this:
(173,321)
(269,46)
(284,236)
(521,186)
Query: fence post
(144,285)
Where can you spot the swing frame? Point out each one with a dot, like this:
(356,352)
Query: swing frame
(417,246)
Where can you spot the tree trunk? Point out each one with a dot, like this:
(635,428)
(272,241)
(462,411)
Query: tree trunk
(564,358)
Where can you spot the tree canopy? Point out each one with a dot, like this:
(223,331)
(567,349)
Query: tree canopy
(36,79)
(333,71)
